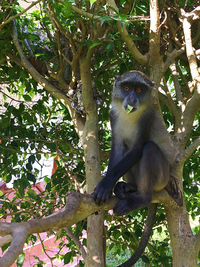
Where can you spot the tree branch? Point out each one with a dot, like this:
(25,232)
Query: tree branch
(166,99)
(155,59)
(172,56)
(197,245)
(177,87)
(187,118)
(193,104)
(77,242)
(190,150)
(189,48)
(54,91)
(67,34)
(78,207)
(142,59)
(5,240)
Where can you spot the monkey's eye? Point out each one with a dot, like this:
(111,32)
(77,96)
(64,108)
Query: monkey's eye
(138,90)
(126,88)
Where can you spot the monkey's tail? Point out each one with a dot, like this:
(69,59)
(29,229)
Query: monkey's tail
(145,236)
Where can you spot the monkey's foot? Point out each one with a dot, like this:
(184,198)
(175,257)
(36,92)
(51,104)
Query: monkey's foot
(133,202)
(123,207)
(122,189)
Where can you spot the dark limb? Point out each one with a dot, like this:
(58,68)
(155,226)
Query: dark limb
(153,176)
(133,201)
(145,237)
(104,189)
(122,189)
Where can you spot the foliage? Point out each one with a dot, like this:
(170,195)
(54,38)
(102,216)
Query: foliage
(35,125)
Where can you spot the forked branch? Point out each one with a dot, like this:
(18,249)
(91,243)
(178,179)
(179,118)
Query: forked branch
(53,90)
(78,207)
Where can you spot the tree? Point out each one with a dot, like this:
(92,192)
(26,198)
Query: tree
(60,61)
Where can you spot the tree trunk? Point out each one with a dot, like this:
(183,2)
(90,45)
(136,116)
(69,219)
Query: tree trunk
(95,227)
(183,242)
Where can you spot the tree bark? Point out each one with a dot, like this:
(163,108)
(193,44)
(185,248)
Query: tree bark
(95,227)
(183,241)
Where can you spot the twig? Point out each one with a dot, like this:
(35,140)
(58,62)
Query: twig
(41,241)
(176,82)
(77,242)
(172,56)
(19,14)
(142,59)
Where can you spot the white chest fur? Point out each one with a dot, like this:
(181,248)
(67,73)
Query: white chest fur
(126,128)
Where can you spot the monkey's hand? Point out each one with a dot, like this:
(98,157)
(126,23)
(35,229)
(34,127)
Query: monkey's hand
(102,191)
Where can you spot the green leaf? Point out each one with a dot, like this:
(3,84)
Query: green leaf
(32,193)
(27,98)
(94,45)
(104,18)
(92,2)
(67,257)
(20,260)
(110,46)
(31,177)
(67,9)
(31,159)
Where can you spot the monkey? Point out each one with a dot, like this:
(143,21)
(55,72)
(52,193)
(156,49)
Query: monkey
(141,150)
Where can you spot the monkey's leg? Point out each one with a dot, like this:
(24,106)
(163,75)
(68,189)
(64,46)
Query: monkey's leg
(121,189)
(153,175)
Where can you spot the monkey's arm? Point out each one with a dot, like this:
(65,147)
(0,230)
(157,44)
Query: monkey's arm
(104,188)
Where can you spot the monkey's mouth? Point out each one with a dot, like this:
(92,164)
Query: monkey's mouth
(130,109)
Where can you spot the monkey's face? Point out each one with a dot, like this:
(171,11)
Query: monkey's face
(133,89)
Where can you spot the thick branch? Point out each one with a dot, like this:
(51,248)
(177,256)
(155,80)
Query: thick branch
(5,240)
(166,99)
(78,207)
(155,59)
(189,48)
(198,241)
(193,104)
(142,59)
